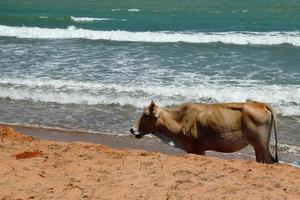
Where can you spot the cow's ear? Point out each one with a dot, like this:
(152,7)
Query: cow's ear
(152,107)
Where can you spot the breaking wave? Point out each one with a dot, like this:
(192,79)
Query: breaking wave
(89,19)
(286,99)
(291,149)
(238,38)
(133,10)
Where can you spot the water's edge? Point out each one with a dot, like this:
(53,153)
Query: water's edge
(122,141)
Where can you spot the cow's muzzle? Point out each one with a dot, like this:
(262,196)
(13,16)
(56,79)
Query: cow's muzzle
(136,133)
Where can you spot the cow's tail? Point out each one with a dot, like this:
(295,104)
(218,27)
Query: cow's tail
(273,123)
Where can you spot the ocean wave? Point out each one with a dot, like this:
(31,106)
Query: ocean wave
(62,19)
(133,10)
(89,19)
(237,38)
(290,149)
(286,99)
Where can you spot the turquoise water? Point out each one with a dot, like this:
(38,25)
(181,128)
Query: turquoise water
(156,15)
(93,65)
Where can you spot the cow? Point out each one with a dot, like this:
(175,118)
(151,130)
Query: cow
(222,127)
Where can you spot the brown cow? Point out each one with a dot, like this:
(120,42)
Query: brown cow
(226,127)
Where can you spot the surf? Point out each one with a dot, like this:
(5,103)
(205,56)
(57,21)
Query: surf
(89,19)
(236,38)
(285,98)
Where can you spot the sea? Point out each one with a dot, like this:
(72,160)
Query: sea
(93,65)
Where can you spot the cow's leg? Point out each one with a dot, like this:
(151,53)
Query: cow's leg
(201,152)
(196,148)
(260,140)
(200,148)
(265,134)
(256,126)
(259,152)
(262,153)
(258,155)
(259,137)
(267,156)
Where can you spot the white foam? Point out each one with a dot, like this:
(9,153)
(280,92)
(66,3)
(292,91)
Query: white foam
(286,99)
(294,164)
(238,38)
(290,149)
(289,110)
(133,10)
(67,92)
(89,19)
(66,97)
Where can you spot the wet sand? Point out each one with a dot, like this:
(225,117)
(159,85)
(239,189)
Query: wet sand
(42,169)
(124,141)
(108,139)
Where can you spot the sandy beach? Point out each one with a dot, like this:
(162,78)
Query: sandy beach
(77,75)
(43,169)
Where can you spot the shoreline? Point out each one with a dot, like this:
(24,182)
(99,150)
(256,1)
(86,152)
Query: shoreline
(111,140)
(127,141)
(43,169)
(122,141)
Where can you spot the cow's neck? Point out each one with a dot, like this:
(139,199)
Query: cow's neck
(171,123)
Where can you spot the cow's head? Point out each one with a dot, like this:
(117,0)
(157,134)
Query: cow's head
(148,122)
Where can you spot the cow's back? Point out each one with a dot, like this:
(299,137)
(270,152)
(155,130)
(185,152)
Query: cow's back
(222,118)
(220,127)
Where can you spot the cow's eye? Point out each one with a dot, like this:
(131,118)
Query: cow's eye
(146,115)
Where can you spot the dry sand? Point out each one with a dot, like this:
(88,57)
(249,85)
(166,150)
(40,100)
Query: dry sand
(41,169)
